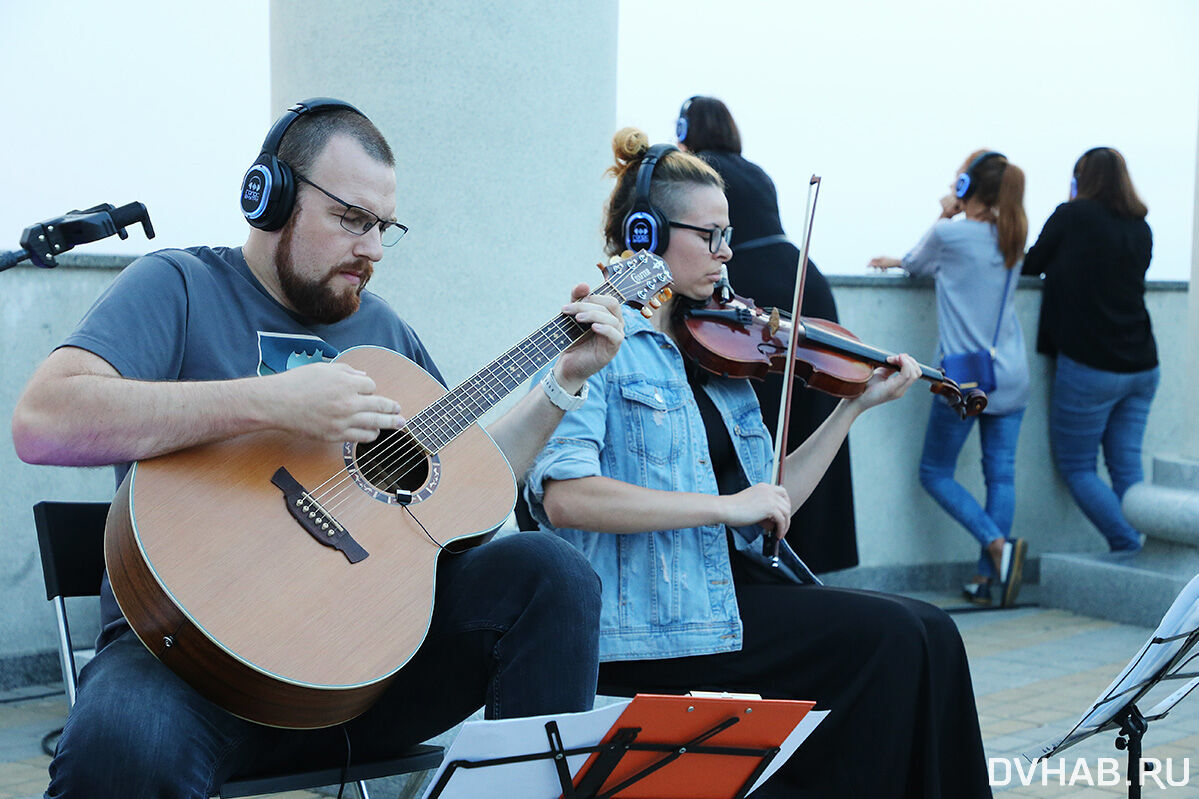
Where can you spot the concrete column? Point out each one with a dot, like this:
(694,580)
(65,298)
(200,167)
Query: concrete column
(1168,507)
(1190,443)
(500,115)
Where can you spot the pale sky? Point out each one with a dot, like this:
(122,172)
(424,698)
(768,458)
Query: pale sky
(151,101)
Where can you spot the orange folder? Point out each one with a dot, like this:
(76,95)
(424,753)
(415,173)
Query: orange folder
(675,720)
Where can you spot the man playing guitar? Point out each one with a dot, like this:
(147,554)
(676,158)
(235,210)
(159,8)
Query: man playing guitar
(190,347)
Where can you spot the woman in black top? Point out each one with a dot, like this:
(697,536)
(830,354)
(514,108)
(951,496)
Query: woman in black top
(1094,251)
(764,267)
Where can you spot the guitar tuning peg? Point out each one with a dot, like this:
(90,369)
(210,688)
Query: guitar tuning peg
(666,294)
(654,302)
(623,255)
(602,268)
(647,312)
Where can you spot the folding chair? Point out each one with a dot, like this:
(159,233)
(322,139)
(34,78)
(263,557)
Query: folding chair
(71,538)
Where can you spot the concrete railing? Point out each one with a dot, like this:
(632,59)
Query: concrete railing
(900,529)
(898,523)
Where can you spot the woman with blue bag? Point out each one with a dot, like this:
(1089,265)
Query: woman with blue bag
(972,252)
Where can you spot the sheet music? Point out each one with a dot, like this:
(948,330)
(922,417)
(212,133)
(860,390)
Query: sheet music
(1182,617)
(482,740)
(791,743)
(538,779)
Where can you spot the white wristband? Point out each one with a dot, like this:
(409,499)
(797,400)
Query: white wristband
(558,395)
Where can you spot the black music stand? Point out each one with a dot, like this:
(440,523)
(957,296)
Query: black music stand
(614,765)
(1164,657)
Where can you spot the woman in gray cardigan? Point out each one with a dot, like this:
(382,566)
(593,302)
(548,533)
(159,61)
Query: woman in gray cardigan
(972,252)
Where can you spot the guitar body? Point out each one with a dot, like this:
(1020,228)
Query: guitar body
(224,586)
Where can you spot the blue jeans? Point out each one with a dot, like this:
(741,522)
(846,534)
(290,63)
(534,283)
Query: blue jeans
(943,441)
(514,629)
(1090,408)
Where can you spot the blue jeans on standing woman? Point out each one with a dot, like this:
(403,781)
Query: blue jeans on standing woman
(1090,408)
(943,442)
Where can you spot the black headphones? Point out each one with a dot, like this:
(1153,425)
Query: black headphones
(645,227)
(683,123)
(966,180)
(268,191)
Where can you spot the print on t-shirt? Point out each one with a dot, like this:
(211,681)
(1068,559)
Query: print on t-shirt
(278,352)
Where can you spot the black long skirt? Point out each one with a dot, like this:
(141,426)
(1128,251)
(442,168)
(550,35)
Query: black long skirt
(891,670)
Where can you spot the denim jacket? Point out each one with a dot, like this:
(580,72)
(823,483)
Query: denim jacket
(667,593)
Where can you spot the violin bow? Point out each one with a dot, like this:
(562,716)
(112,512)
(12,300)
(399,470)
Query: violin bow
(784,420)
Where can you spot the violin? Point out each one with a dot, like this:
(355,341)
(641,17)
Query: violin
(736,338)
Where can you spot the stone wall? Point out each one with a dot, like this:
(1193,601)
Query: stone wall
(900,530)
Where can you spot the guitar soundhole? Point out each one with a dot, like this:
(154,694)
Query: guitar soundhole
(393,462)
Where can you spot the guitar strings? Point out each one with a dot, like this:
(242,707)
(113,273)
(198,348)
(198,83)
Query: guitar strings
(402,463)
(416,424)
(455,401)
(398,458)
(483,382)
(562,322)
(396,465)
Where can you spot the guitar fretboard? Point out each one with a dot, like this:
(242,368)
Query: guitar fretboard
(445,419)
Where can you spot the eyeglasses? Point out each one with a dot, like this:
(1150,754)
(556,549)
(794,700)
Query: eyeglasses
(716,236)
(359,221)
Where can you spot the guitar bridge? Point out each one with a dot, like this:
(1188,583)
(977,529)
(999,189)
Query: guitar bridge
(316,521)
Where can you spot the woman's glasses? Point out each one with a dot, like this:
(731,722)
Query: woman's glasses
(716,236)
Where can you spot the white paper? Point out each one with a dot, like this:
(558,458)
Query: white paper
(1182,617)
(484,740)
(791,743)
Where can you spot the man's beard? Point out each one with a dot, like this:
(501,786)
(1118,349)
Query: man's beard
(316,299)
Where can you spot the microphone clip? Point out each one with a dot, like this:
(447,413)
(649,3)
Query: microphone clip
(47,240)
(723,290)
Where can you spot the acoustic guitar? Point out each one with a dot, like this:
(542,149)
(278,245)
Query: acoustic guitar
(288,579)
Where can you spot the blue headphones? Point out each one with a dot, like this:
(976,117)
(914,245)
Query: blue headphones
(645,227)
(683,123)
(966,180)
(268,191)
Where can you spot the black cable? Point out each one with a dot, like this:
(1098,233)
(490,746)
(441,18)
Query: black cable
(46,741)
(422,527)
(345,771)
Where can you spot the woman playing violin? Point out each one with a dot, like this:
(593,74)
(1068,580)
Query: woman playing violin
(661,479)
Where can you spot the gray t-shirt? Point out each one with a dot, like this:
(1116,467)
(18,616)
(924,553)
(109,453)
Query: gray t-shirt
(972,283)
(200,314)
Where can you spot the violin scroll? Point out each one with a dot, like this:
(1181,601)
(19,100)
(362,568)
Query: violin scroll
(971,403)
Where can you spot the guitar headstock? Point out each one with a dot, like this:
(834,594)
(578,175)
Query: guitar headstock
(640,279)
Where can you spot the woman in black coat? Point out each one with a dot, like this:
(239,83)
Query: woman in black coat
(764,267)
(1094,251)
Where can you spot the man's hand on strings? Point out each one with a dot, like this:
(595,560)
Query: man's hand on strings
(333,402)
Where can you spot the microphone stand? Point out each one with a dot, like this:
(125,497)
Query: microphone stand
(44,242)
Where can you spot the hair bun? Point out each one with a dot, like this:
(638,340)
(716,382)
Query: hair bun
(629,145)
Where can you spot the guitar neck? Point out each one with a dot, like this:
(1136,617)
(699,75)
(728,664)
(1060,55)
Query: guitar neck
(444,420)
